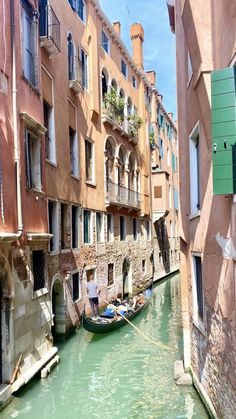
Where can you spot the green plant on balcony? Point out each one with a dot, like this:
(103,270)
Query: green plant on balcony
(114,106)
(152,140)
(134,123)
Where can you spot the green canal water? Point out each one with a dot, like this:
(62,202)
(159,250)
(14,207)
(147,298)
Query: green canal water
(118,375)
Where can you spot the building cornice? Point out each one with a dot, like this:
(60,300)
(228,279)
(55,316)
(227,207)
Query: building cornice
(39,236)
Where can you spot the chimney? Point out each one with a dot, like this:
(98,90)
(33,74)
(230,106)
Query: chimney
(151,76)
(137,38)
(117,27)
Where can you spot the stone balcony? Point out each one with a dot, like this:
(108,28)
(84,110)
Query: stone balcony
(114,117)
(49,30)
(121,196)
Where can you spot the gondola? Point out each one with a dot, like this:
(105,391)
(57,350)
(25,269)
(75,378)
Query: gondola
(104,325)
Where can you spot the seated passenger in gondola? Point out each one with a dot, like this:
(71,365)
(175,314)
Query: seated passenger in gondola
(116,301)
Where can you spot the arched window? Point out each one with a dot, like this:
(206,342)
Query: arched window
(104,84)
(114,84)
(109,161)
(131,172)
(121,166)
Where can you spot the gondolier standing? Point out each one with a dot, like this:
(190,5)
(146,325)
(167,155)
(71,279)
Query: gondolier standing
(93,292)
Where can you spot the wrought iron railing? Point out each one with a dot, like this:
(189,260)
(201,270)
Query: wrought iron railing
(120,195)
(49,26)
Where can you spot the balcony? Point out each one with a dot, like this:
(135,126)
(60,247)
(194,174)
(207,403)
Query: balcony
(114,116)
(75,75)
(49,29)
(121,196)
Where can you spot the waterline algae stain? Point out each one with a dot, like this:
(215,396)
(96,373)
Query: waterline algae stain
(117,375)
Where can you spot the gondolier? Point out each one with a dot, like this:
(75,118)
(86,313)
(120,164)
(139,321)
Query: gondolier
(93,292)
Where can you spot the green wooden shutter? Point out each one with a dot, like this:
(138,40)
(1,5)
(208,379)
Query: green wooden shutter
(223,90)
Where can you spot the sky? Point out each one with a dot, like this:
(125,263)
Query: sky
(159,41)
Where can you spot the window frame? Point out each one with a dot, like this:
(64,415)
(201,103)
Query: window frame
(92,180)
(56,223)
(72,273)
(75,234)
(101,234)
(113,274)
(110,236)
(124,235)
(104,33)
(31,74)
(195,178)
(84,65)
(198,320)
(125,68)
(39,290)
(90,237)
(74,153)
(31,171)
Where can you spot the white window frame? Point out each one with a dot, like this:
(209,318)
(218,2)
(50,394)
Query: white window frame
(126,68)
(78,227)
(33,168)
(92,180)
(56,226)
(84,17)
(112,228)
(75,271)
(102,228)
(30,74)
(75,153)
(90,227)
(194,171)
(84,67)
(51,126)
(199,323)
(125,228)
(108,42)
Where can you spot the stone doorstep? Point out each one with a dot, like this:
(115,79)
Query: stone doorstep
(26,377)
(5,395)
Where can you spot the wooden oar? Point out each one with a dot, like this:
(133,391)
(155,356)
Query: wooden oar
(161,345)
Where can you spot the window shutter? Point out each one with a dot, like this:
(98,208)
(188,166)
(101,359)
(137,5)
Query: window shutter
(28,160)
(223,89)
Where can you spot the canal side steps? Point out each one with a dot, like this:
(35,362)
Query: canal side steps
(26,376)
(181,377)
(5,395)
(49,367)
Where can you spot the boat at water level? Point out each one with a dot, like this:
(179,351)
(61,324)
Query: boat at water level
(104,325)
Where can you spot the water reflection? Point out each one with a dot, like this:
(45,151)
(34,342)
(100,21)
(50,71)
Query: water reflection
(119,375)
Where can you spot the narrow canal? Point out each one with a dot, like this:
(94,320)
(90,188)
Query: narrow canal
(119,375)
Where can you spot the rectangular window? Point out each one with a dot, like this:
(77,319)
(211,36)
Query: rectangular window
(73,152)
(75,286)
(50,152)
(194,171)
(198,302)
(74,227)
(134,82)
(99,227)
(89,160)
(53,225)
(110,276)
(81,7)
(29,42)
(87,226)
(110,234)
(148,230)
(65,227)
(33,161)
(165,256)
(38,258)
(105,42)
(135,233)
(122,229)
(124,68)
(144,265)
(161,148)
(73,4)
(84,68)
(160,258)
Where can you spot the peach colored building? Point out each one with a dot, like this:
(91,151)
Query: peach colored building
(206,86)
(164,168)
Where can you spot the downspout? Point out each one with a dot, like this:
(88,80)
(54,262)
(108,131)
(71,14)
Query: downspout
(15,124)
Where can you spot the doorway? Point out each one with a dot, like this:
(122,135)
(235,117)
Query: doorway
(127,280)
(58,310)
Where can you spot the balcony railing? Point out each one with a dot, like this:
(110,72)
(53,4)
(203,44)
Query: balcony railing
(49,29)
(119,195)
(115,117)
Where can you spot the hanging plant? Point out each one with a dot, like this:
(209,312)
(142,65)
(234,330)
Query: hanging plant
(115,105)
(152,140)
(135,123)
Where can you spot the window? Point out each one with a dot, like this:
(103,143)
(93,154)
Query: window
(50,152)
(99,227)
(198,301)
(81,9)
(190,68)
(109,227)
(71,58)
(65,227)
(87,226)
(105,42)
(74,227)
(89,160)
(33,161)
(84,68)
(160,258)
(144,265)
(124,68)
(135,232)
(53,225)
(38,258)
(122,229)
(134,82)
(148,230)
(73,152)
(110,276)
(73,4)
(194,171)
(75,284)
(161,148)
(29,42)
(165,256)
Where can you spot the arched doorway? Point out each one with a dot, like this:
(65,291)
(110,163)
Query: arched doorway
(58,309)
(126,276)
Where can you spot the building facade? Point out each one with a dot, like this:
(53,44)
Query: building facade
(206,54)
(164,168)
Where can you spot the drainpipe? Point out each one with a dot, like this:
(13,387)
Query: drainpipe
(15,124)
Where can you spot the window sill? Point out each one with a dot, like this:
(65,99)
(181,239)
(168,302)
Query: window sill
(39,293)
(68,250)
(54,252)
(75,177)
(31,86)
(51,163)
(36,191)
(77,301)
(192,216)
(91,183)
(199,325)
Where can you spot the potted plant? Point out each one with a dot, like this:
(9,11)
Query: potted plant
(135,123)
(114,105)
(152,140)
